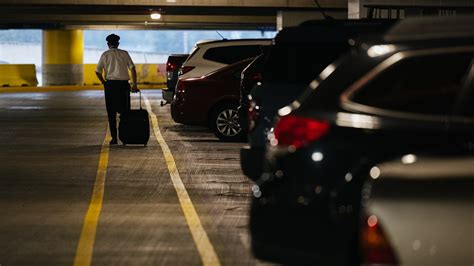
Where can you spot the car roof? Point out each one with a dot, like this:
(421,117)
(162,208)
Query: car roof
(431,28)
(226,41)
(331,31)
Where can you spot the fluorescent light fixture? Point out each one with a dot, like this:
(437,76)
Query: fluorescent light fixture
(155,15)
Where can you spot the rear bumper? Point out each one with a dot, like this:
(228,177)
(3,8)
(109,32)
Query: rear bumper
(177,112)
(185,113)
(251,161)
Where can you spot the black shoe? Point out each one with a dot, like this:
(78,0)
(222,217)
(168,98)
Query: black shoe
(113,142)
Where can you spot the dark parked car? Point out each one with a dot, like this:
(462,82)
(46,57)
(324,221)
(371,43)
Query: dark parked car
(299,53)
(411,91)
(211,100)
(174,63)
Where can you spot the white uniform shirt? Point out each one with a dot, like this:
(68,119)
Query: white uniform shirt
(115,63)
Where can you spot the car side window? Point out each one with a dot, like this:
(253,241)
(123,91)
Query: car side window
(422,84)
(232,54)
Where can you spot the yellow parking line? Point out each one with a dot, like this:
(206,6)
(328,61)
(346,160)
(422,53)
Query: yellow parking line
(203,244)
(85,247)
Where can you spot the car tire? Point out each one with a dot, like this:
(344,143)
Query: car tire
(224,122)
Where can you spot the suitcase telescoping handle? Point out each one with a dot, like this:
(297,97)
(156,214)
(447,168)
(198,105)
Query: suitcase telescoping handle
(140,99)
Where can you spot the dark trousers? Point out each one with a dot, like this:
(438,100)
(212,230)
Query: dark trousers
(117,100)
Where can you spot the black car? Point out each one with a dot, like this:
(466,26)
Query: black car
(298,54)
(410,91)
(173,64)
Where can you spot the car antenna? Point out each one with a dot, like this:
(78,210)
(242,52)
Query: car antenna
(221,36)
(321,10)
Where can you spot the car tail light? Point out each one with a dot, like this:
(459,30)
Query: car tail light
(170,66)
(298,131)
(375,247)
(186,69)
(180,89)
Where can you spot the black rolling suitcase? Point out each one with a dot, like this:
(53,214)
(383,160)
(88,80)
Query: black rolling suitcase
(134,126)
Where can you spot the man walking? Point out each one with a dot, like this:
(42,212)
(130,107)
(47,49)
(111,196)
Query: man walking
(115,64)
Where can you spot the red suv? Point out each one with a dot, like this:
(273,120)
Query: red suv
(211,100)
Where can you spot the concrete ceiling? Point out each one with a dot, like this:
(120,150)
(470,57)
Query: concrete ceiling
(176,14)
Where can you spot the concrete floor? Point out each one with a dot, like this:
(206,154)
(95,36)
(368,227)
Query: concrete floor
(49,151)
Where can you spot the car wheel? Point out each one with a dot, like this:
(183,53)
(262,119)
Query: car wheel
(225,123)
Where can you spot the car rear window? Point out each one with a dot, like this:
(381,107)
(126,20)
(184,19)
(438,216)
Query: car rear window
(232,54)
(423,84)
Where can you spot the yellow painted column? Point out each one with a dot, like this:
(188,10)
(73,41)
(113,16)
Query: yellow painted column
(63,57)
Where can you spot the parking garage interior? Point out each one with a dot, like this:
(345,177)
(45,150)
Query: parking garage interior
(67,196)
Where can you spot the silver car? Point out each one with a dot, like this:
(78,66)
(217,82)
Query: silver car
(419,210)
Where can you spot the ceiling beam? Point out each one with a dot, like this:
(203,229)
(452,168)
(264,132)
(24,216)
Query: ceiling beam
(215,14)
(190,3)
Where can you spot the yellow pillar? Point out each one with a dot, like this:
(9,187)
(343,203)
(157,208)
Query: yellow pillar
(63,57)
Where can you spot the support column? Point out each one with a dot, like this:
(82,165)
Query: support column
(63,57)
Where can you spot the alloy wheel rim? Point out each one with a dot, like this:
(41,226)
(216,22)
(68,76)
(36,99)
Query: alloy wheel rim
(228,123)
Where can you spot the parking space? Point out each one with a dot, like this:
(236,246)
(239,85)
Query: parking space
(49,165)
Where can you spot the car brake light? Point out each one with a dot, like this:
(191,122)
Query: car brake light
(298,131)
(375,247)
(186,69)
(170,66)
